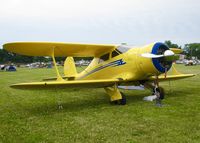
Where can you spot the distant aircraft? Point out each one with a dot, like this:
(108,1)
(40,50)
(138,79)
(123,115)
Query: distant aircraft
(112,67)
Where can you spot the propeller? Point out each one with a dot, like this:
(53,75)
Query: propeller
(167,54)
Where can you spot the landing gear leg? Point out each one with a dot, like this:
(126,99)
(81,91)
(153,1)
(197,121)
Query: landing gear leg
(159,92)
(116,97)
(156,90)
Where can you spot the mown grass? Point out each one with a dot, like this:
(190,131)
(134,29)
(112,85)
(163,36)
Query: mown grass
(34,116)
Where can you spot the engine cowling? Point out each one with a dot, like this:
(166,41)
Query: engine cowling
(161,64)
(158,60)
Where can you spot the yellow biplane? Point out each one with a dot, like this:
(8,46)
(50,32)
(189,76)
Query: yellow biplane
(112,67)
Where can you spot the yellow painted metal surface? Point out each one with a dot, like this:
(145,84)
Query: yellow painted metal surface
(172,74)
(59,77)
(114,93)
(176,50)
(60,49)
(69,67)
(136,67)
(65,84)
(171,77)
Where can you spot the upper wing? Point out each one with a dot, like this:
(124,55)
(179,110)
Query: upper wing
(60,49)
(67,84)
(176,50)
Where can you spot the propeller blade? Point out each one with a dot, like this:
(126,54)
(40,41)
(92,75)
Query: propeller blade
(167,53)
(149,55)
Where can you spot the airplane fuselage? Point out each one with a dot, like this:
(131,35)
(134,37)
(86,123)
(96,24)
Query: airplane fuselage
(129,65)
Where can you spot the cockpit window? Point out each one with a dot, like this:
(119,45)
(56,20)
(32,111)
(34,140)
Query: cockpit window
(115,53)
(104,57)
(123,48)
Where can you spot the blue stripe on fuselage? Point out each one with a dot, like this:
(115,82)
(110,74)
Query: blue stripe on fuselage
(111,64)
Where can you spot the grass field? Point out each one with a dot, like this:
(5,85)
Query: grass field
(34,116)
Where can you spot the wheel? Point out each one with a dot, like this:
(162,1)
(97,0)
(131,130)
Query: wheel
(123,100)
(120,101)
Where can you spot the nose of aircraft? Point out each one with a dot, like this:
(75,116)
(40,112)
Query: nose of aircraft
(162,57)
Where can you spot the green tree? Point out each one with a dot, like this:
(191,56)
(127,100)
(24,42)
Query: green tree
(172,45)
(192,50)
(5,56)
(14,58)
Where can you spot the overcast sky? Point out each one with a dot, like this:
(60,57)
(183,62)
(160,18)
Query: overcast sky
(136,22)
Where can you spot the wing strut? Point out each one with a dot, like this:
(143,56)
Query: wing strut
(59,77)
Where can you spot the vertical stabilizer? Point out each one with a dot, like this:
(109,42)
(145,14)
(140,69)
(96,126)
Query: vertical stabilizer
(69,67)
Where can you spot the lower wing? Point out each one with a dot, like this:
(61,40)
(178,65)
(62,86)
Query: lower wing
(173,74)
(67,84)
(171,77)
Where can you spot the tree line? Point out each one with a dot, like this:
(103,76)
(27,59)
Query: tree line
(190,50)
(7,57)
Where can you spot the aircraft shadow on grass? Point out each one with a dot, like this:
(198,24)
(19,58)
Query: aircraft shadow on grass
(78,105)
(81,104)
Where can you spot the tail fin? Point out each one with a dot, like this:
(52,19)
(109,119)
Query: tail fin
(70,68)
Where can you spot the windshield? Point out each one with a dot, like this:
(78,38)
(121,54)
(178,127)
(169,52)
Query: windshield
(123,48)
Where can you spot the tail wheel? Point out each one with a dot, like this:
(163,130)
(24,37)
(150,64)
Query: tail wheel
(120,101)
